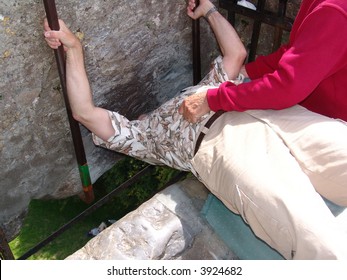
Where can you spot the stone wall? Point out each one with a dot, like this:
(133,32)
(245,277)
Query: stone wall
(138,54)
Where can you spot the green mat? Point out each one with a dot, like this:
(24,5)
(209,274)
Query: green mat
(236,233)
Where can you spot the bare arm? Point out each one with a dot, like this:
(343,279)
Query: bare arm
(233,50)
(234,54)
(79,93)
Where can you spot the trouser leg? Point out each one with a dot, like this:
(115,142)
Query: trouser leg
(246,165)
(319,145)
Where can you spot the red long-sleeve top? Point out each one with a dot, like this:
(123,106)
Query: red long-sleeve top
(310,70)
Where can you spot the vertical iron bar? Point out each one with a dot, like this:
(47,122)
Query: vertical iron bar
(256,32)
(281,12)
(196,50)
(5,250)
(53,22)
(232,14)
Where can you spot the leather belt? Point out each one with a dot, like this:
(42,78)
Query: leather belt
(205,129)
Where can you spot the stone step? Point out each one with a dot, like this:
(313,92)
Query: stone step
(168,226)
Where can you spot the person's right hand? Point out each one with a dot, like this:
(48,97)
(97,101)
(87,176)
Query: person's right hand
(195,106)
(62,37)
(196,12)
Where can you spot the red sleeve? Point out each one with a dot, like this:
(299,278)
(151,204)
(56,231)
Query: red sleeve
(265,64)
(318,48)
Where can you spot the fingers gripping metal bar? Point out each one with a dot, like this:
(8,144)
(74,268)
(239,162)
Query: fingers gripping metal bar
(53,22)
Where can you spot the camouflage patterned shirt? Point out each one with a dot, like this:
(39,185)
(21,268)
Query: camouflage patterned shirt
(163,137)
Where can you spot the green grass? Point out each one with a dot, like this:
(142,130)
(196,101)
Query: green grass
(46,216)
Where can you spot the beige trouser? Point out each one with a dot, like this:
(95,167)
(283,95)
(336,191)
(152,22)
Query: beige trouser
(269,165)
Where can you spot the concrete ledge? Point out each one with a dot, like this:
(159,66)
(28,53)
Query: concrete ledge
(168,226)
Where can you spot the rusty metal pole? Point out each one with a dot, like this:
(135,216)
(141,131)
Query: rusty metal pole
(53,22)
(5,250)
(196,49)
(256,32)
(278,33)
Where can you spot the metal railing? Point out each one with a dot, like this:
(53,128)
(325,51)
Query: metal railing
(278,20)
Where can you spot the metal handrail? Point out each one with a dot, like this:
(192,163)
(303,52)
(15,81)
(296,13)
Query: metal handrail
(52,18)
(196,50)
(5,250)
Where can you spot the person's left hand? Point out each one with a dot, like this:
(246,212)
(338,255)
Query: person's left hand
(194,106)
(61,37)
